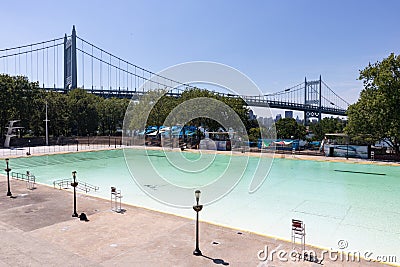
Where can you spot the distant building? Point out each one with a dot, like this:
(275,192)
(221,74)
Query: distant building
(278,117)
(260,121)
(289,114)
(268,121)
(252,116)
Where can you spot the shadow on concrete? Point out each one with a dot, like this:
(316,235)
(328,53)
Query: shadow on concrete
(216,261)
(121,211)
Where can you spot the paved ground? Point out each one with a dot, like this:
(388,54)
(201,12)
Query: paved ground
(36,229)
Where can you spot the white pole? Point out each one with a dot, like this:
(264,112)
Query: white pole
(47,131)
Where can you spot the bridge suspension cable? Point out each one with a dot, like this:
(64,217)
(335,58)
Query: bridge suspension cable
(292,94)
(30,45)
(337,97)
(126,73)
(33,67)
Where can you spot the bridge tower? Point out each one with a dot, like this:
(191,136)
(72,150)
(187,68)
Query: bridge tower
(312,99)
(70,64)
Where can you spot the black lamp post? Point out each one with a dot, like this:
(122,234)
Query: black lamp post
(29,147)
(197,208)
(74,185)
(7,169)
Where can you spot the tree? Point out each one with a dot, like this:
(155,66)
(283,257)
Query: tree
(327,125)
(83,112)
(288,128)
(58,113)
(215,109)
(111,112)
(20,100)
(161,110)
(376,113)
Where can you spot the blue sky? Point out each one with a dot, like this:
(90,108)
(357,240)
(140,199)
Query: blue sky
(275,43)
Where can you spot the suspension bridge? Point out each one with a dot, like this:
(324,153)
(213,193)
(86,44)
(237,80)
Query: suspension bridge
(69,62)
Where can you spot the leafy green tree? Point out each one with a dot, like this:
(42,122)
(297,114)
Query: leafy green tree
(210,109)
(111,112)
(236,104)
(20,100)
(327,125)
(287,128)
(138,112)
(77,112)
(58,113)
(161,109)
(376,113)
(83,113)
(254,134)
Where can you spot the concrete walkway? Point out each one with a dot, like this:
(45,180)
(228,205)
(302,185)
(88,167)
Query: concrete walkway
(36,229)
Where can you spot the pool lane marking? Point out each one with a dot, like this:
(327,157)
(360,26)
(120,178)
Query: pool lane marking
(372,173)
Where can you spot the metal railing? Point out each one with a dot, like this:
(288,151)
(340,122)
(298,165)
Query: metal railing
(29,178)
(84,144)
(22,176)
(66,184)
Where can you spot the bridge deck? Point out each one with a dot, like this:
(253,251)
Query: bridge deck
(253,101)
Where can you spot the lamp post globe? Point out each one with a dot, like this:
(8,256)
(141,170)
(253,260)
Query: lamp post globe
(197,195)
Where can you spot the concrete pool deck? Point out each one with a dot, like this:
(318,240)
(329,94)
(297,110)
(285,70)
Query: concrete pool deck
(37,229)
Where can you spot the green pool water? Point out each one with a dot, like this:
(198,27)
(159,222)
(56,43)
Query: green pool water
(358,203)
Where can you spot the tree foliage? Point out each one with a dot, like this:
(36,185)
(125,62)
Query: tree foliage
(287,128)
(327,125)
(20,99)
(75,113)
(83,114)
(111,112)
(58,113)
(166,104)
(376,113)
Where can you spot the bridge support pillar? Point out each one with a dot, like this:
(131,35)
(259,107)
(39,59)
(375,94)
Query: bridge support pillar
(70,63)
